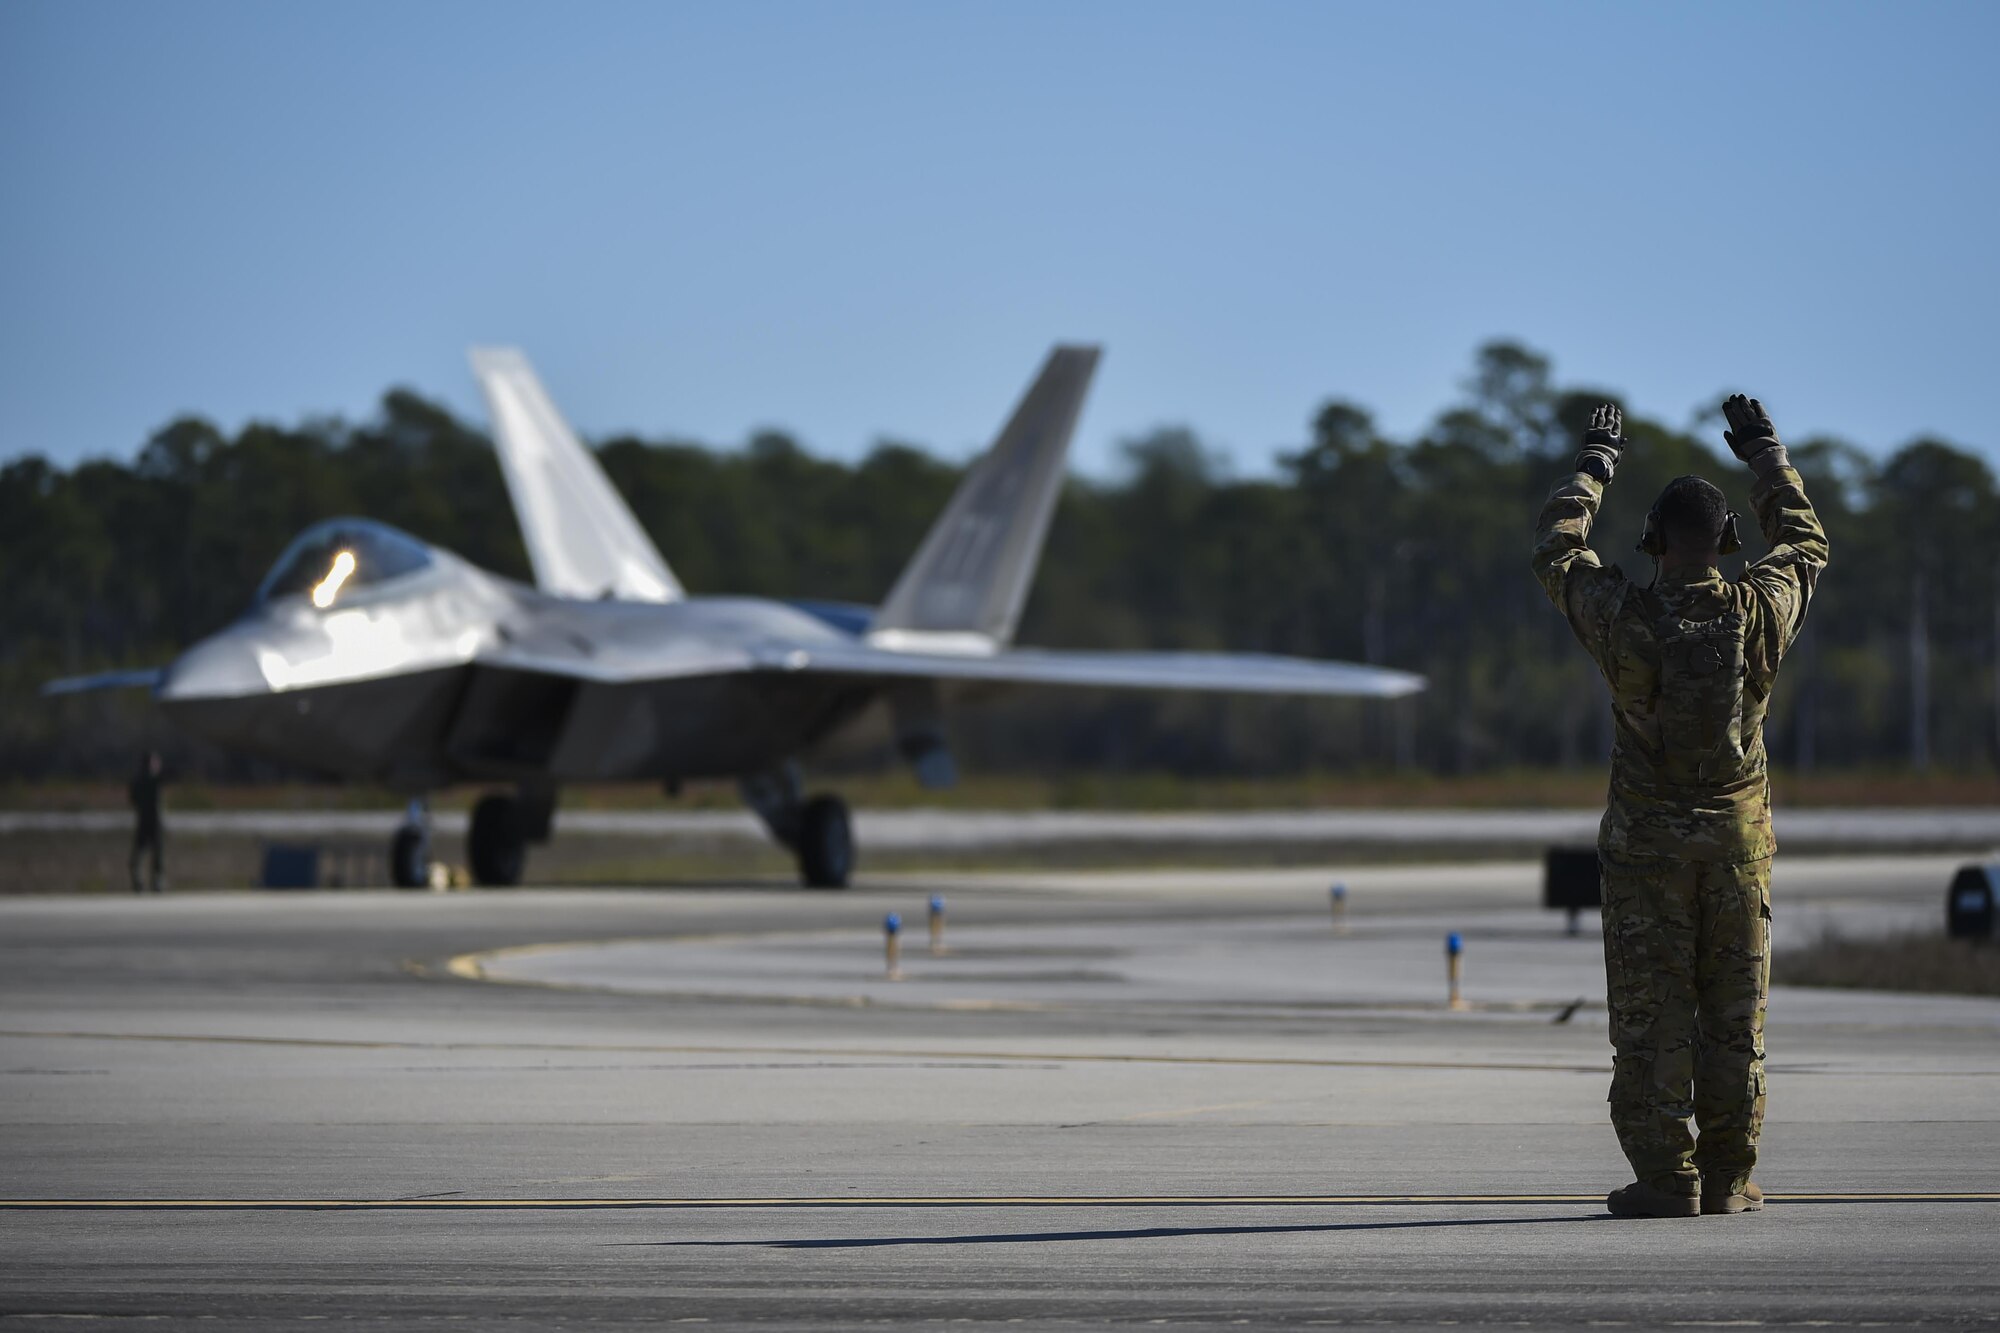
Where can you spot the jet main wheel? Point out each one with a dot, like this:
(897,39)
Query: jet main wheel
(494,843)
(409,861)
(826,843)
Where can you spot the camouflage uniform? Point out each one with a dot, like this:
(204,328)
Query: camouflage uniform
(1686,839)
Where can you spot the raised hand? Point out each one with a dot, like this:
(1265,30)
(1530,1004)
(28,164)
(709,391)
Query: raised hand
(1603,442)
(1751,436)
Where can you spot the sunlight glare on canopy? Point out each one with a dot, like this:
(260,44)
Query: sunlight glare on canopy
(329,587)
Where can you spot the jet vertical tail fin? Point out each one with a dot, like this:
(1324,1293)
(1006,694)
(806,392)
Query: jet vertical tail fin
(964,588)
(582,539)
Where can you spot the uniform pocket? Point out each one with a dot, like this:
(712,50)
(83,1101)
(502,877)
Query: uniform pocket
(1764,915)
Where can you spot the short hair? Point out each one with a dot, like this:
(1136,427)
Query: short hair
(1692,513)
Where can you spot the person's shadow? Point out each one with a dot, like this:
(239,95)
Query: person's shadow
(1133,1233)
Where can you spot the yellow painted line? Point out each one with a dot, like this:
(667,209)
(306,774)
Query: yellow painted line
(473,967)
(816,1052)
(436,1204)
(466,967)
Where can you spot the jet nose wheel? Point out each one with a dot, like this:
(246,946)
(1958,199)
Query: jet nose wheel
(495,842)
(826,844)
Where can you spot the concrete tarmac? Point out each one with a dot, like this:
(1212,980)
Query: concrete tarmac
(1179,1099)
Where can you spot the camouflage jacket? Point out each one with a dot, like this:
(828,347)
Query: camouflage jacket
(1691,662)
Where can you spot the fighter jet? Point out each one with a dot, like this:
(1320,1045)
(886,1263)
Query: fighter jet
(370,655)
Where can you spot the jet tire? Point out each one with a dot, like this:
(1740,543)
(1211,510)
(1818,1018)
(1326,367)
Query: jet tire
(494,842)
(826,843)
(409,858)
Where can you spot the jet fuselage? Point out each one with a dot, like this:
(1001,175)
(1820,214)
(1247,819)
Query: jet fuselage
(448,673)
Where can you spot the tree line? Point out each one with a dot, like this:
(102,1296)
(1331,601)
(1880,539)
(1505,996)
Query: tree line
(1405,552)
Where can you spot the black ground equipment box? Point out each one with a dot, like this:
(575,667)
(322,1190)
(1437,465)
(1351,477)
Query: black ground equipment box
(1570,881)
(290,867)
(1968,903)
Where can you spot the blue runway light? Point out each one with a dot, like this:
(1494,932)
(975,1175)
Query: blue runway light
(892,946)
(1453,945)
(1337,900)
(937,904)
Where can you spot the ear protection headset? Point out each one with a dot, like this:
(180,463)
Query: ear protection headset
(1653,541)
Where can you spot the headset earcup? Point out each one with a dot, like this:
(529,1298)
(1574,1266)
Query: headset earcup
(1650,540)
(1732,540)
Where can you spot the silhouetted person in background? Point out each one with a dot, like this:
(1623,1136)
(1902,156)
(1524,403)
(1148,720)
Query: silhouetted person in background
(148,834)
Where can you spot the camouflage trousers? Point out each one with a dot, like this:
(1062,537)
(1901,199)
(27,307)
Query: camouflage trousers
(1687,953)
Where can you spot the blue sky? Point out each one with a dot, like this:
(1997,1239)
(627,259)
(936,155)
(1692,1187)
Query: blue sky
(857,220)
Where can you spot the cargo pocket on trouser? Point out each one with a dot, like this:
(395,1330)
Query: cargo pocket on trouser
(1764,977)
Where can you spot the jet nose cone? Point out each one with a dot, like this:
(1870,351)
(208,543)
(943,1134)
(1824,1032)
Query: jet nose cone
(223,666)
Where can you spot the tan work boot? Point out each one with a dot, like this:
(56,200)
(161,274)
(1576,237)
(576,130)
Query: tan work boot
(1639,1199)
(1718,1201)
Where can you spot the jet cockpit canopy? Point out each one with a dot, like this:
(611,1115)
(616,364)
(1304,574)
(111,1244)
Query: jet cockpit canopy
(329,560)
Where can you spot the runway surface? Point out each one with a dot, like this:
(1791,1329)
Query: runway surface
(1176,1099)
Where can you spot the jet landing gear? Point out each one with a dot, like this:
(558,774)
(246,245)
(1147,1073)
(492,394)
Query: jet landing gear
(826,844)
(496,841)
(410,848)
(817,831)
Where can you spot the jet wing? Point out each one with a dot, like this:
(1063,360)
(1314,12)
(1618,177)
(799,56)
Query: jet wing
(680,659)
(1235,673)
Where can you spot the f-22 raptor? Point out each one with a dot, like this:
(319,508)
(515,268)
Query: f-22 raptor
(370,655)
